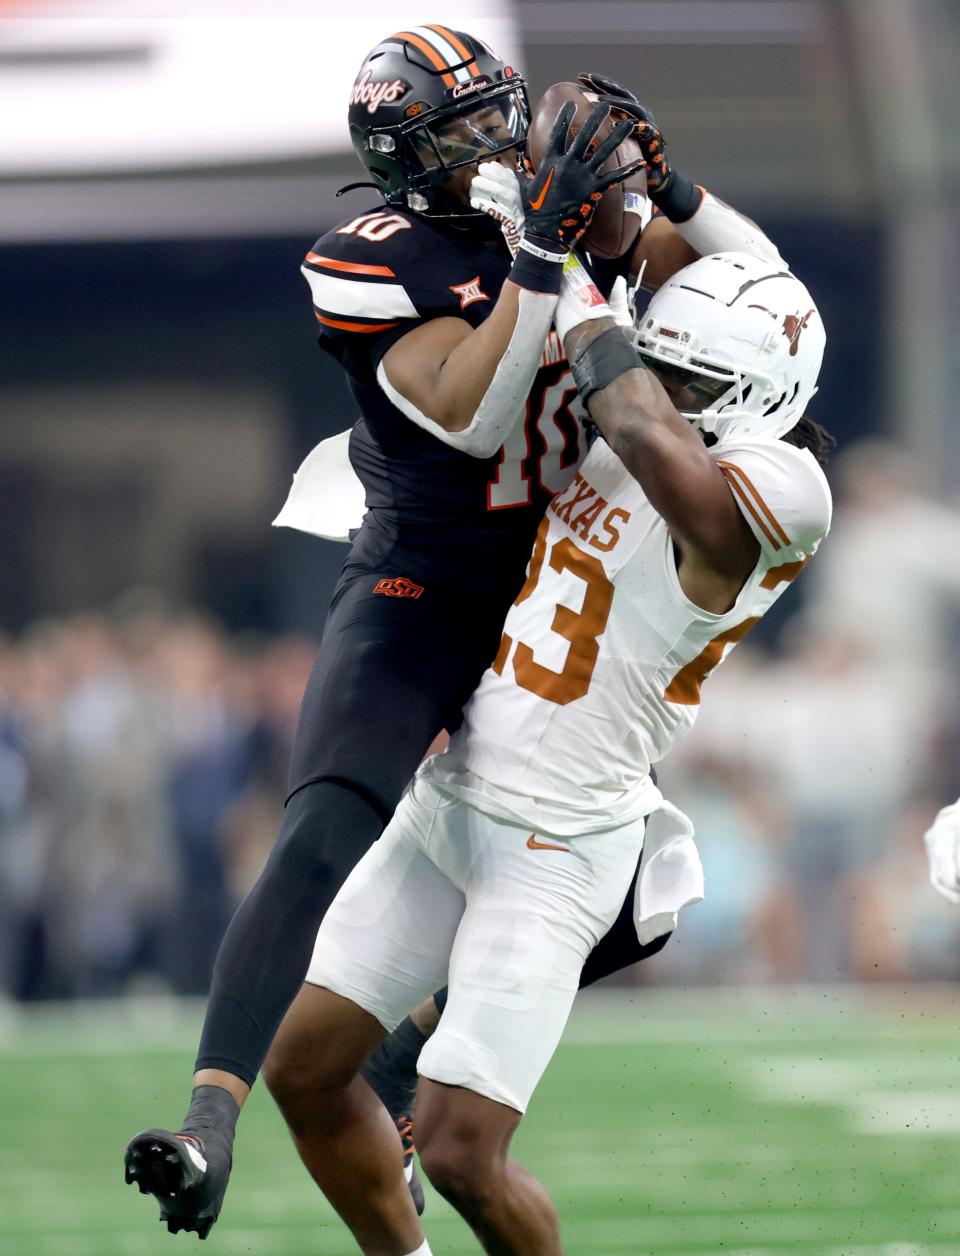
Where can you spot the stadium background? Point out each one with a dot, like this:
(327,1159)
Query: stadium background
(780,1078)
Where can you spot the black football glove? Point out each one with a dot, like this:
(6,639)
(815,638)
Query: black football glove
(672,193)
(559,201)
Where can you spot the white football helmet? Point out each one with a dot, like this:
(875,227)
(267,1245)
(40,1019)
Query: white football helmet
(743,337)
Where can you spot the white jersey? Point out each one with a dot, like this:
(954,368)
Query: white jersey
(603,655)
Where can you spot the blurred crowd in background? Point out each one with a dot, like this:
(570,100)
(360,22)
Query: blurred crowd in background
(143,756)
(143,760)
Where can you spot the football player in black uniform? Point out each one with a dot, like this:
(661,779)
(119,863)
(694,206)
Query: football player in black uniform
(467,432)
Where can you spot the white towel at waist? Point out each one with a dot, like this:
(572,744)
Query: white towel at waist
(671,874)
(326,497)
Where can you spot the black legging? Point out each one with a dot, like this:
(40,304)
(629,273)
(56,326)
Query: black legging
(390,674)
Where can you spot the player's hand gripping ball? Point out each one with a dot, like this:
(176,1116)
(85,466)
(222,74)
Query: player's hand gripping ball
(647,134)
(575,167)
(670,191)
(616,220)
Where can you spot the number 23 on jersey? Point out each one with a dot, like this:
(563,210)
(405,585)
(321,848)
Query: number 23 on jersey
(584,628)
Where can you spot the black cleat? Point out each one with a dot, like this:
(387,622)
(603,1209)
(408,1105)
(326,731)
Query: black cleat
(405,1130)
(187,1175)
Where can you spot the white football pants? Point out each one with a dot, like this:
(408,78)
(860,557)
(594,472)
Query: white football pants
(504,918)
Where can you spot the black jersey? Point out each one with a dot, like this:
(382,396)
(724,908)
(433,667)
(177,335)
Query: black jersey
(436,511)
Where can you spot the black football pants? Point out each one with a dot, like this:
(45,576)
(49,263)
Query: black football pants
(395,667)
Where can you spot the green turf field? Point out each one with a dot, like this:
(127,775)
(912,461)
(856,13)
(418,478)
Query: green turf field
(733,1123)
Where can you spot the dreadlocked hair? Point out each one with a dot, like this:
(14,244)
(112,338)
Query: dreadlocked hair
(806,434)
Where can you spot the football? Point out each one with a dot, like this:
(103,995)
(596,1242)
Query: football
(617,222)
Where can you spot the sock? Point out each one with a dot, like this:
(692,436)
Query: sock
(391,1069)
(212,1110)
(422,1250)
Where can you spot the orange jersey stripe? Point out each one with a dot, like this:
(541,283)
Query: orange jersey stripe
(343,325)
(741,493)
(429,52)
(770,516)
(355,268)
(783,574)
(684,689)
(452,39)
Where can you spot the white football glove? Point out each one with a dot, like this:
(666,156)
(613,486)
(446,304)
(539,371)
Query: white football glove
(496,191)
(619,301)
(942,841)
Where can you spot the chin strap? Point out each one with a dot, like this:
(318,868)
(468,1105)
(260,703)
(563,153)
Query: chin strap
(467,216)
(352,186)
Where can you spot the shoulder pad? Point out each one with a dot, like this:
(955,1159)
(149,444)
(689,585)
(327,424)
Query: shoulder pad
(782,493)
(355,274)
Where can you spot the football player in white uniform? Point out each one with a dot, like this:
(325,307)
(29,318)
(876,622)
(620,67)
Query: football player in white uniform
(942,841)
(511,853)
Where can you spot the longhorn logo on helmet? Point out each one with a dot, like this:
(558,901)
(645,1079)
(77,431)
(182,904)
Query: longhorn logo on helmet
(793,325)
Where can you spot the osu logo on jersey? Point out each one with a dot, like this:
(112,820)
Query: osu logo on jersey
(398,586)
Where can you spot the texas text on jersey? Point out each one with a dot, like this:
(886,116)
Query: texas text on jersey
(603,655)
(434,510)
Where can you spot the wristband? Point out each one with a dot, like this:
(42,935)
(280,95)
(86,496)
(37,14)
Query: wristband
(677,198)
(580,299)
(536,270)
(610,356)
(548,255)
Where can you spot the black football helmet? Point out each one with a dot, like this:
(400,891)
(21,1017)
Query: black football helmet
(427,101)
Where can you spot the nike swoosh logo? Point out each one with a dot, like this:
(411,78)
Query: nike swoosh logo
(533,844)
(195,1156)
(543,191)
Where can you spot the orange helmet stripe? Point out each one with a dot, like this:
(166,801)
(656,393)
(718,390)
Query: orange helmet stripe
(429,52)
(460,46)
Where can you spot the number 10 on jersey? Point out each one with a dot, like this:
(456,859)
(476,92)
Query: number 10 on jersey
(548,410)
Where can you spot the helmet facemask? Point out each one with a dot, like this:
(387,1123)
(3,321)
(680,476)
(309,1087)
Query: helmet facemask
(715,392)
(447,139)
